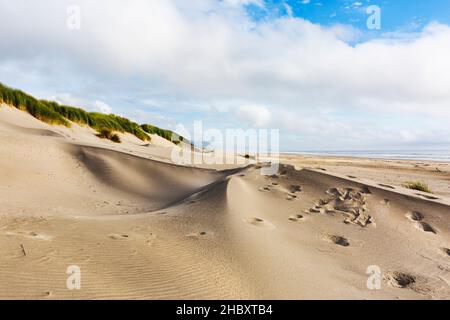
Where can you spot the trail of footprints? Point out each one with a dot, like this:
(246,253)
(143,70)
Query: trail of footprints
(293,190)
(349,203)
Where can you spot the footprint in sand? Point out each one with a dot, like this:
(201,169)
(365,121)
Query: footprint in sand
(151,239)
(339,240)
(197,234)
(386,186)
(295,188)
(420,224)
(414,216)
(30,235)
(400,279)
(291,197)
(295,217)
(347,202)
(265,188)
(317,209)
(426,227)
(365,190)
(258,222)
(335,192)
(427,197)
(119,236)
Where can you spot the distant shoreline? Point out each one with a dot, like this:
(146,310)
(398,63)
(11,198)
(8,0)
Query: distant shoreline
(443,156)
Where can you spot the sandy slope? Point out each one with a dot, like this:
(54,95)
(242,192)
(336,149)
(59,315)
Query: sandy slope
(140,227)
(392,172)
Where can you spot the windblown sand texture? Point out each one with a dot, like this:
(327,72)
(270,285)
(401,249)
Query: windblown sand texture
(140,227)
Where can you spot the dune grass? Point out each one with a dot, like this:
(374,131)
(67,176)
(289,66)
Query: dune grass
(105,133)
(166,134)
(417,185)
(53,113)
(38,109)
(101,121)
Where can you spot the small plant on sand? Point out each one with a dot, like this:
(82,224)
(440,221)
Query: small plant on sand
(417,185)
(106,133)
(115,138)
(247,156)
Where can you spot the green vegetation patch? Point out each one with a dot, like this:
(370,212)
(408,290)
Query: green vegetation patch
(54,113)
(417,185)
(39,109)
(105,133)
(166,134)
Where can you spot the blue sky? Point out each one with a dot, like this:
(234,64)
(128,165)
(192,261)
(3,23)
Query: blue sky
(397,15)
(309,68)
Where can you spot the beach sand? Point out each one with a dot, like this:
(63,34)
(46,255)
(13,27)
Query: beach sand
(140,227)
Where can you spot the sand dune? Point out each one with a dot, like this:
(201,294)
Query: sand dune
(140,227)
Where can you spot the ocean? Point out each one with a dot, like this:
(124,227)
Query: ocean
(433,155)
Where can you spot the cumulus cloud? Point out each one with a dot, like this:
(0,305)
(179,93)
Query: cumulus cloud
(256,116)
(259,3)
(210,53)
(102,107)
(182,130)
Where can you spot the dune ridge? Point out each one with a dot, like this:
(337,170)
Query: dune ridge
(140,227)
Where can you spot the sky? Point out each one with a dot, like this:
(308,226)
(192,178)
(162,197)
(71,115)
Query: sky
(323,72)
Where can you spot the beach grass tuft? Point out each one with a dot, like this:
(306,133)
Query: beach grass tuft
(106,133)
(417,185)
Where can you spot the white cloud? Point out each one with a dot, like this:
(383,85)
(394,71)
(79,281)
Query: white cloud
(182,131)
(208,53)
(68,99)
(256,116)
(259,3)
(102,107)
